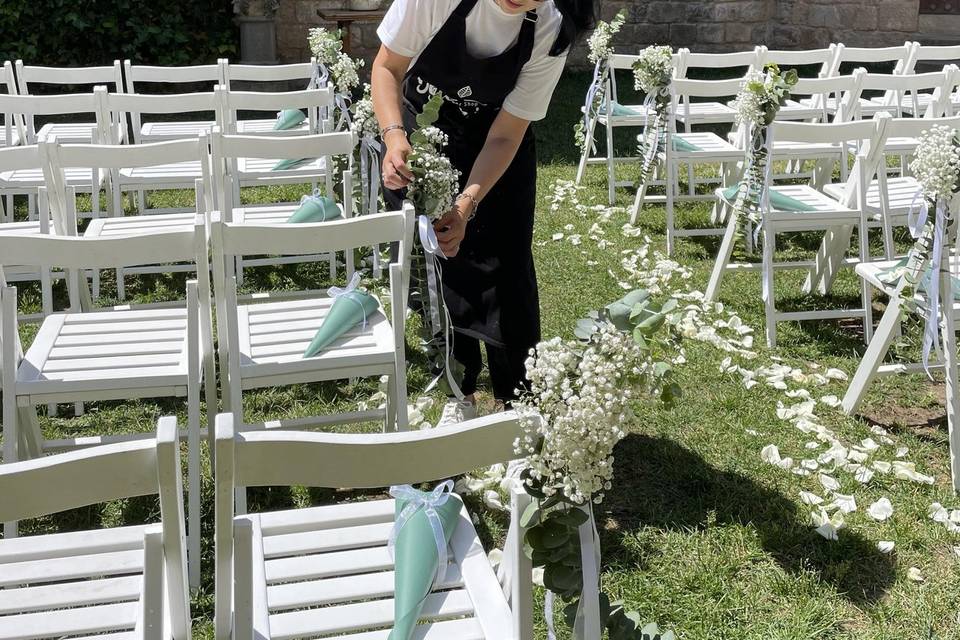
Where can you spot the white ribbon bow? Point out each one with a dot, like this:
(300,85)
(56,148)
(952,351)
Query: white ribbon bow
(316,194)
(429,502)
(340,292)
(595,85)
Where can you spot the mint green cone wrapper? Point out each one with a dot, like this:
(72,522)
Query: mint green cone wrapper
(349,309)
(416,560)
(289,119)
(288,164)
(778,201)
(315,208)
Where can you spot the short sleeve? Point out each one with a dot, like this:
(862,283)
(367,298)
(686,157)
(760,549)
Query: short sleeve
(407,27)
(530,98)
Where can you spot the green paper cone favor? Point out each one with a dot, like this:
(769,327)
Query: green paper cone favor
(425,522)
(291,163)
(778,201)
(351,307)
(289,119)
(316,208)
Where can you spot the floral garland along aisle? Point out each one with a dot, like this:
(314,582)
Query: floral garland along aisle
(756,106)
(327,47)
(601,48)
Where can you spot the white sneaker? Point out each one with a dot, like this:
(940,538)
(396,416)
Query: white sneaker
(456,411)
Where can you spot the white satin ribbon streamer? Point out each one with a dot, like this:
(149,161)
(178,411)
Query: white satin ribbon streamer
(340,292)
(439,321)
(370,173)
(595,85)
(343,104)
(429,502)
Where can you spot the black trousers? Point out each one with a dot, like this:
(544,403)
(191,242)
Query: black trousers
(507,369)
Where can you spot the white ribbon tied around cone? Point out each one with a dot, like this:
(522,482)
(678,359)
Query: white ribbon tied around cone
(339,292)
(428,502)
(431,249)
(587,625)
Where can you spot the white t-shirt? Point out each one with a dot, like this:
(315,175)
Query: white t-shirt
(410,25)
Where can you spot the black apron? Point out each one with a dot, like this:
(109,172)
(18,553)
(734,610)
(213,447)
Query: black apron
(490,286)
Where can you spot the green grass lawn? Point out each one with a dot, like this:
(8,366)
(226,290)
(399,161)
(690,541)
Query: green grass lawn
(698,533)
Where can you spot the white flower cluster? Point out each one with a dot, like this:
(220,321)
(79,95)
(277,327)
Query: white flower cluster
(328,49)
(937,162)
(749,103)
(437,183)
(600,42)
(652,72)
(583,394)
(364,123)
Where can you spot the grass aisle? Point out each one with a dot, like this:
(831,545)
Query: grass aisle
(698,533)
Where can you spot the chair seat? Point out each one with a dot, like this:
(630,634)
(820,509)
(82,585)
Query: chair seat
(826,210)
(708,146)
(164,174)
(705,113)
(273,337)
(158,131)
(795,110)
(901,193)
(130,350)
(30,228)
(639,117)
(75,584)
(139,225)
(67,132)
(328,573)
(14,137)
(266,126)
(805,150)
(79,177)
(907,103)
(878,273)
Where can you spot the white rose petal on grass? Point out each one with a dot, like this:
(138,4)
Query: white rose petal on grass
(901,452)
(868,445)
(863,475)
(492,500)
(812,445)
(880,510)
(881,466)
(885,546)
(907,471)
(537,576)
(956,551)
(557,236)
(798,393)
(810,498)
(914,574)
(827,526)
(835,374)
(846,503)
(830,401)
(938,513)
(829,482)
(770,454)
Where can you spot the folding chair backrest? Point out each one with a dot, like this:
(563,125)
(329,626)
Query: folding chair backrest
(308,72)
(204,76)
(803,58)
(227,149)
(913,127)
(896,88)
(313,100)
(137,105)
(751,59)
(901,58)
(51,484)
(29,76)
(927,53)
(845,89)
(13,128)
(25,107)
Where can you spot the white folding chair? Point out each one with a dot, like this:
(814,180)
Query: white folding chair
(205,76)
(899,59)
(261,344)
(112,354)
(326,571)
(233,155)
(158,176)
(708,112)
(27,75)
(315,101)
(276,78)
(923,55)
(26,181)
(702,148)
(120,582)
(633,115)
(132,166)
(816,212)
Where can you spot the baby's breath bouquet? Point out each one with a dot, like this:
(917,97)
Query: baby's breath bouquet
(327,47)
(366,130)
(576,410)
(936,166)
(652,74)
(436,182)
(756,106)
(601,48)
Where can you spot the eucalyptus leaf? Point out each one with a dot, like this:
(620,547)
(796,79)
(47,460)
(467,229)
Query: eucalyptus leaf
(530,516)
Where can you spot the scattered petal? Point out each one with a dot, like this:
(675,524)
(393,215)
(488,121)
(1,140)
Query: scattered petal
(557,236)
(831,401)
(492,500)
(880,510)
(914,574)
(902,452)
(885,546)
(835,374)
(770,454)
(937,513)
(846,503)
(863,475)
(810,498)
(829,482)
(881,466)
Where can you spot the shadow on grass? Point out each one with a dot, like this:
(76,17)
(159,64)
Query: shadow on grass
(661,484)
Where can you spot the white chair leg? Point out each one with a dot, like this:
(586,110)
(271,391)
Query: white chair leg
(876,350)
(723,259)
(193,481)
(770,310)
(672,186)
(587,150)
(638,202)
(828,260)
(953,392)
(611,165)
(121,286)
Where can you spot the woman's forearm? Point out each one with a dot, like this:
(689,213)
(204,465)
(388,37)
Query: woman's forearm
(385,79)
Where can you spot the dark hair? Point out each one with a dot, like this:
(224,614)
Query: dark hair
(578,16)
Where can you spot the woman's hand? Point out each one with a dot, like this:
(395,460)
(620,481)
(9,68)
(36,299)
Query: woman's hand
(396,173)
(450,230)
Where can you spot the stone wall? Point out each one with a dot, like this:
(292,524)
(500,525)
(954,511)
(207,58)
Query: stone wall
(701,25)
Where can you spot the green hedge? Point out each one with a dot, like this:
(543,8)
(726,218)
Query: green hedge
(88,32)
